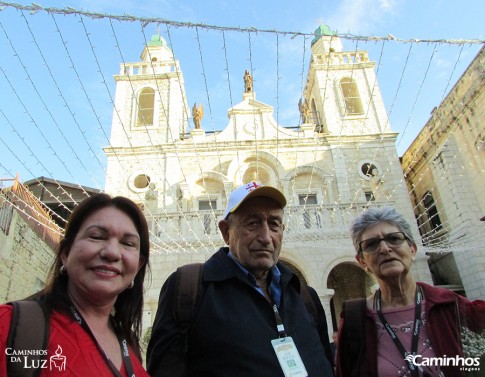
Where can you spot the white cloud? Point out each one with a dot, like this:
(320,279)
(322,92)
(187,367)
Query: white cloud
(362,17)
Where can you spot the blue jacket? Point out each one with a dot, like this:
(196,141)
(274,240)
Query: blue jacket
(232,331)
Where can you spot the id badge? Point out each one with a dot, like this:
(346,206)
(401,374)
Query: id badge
(289,357)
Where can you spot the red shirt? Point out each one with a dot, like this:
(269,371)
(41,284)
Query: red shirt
(68,343)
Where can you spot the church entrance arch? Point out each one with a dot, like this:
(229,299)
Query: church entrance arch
(294,269)
(348,280)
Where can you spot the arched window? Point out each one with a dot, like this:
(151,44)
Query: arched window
(431,211)
(146,107)
(350,93)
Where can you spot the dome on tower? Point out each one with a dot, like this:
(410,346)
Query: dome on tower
(156,40)
(322,30)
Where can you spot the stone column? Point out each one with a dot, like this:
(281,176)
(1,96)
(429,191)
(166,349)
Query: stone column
(325,298)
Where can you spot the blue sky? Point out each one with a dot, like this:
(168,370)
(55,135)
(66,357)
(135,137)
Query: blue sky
(56,75)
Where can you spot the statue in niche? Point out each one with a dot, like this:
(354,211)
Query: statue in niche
(377,185)
(248,82)
(304,110)
(152,194)
(375,179)
(197,115)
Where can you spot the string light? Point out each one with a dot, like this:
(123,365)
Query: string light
(166,233)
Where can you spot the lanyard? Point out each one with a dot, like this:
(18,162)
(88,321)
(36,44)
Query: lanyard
(123,344)
(417,323)
(279,323)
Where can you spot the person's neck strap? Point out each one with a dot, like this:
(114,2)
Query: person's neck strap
(125,353)
(416,326)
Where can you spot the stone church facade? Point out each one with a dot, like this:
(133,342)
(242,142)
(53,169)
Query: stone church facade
(340,160)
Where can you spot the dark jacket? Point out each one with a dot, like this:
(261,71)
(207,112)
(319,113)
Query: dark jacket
(232,331)
(444,311)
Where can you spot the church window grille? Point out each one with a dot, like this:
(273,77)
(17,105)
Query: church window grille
(146,107)
(431,211)
(350,92)
(307,200)
(207,205)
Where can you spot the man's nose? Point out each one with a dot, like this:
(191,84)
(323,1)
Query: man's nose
(264,233)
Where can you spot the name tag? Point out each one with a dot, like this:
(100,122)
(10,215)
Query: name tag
(288,357)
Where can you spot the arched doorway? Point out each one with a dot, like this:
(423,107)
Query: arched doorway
(294,269)
(348,280)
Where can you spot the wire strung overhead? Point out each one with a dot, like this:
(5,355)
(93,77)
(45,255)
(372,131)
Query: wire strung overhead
(60,104)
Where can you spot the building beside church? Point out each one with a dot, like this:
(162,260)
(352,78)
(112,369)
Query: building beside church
(28,241)
(32,219)
(340,160)
(445,175)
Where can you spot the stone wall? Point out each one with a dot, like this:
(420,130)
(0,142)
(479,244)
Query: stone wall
(24,261)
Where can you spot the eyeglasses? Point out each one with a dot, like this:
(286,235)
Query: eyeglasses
(371,245)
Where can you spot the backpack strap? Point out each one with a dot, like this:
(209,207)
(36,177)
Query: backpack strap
(29,330)
(187,294)
(355,312)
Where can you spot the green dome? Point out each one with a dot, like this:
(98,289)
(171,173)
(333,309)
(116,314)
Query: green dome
(156,40)
(322,30)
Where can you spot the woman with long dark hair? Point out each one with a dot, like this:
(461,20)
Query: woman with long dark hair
(94,294)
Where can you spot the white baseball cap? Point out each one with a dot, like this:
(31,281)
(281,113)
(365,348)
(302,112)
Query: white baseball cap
(251,190)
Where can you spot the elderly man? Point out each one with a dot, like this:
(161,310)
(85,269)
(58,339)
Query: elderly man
(251,317)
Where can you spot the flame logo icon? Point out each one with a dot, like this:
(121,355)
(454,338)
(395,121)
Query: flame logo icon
(58,350)
(58,361)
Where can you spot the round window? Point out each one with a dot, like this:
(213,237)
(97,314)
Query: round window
(141,181)
(367,169)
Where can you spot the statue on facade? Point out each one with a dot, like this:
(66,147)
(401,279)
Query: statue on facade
(375,179)
(197,115)
(304,110)
(377,185)
(151,194)
(248,82)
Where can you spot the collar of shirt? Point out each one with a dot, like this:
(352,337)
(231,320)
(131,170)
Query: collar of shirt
(274,286)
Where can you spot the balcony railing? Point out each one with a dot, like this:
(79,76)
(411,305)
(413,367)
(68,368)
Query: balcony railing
(339,58)
(301,222)
(147,68)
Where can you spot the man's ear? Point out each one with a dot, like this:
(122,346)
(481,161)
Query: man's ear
(224,228)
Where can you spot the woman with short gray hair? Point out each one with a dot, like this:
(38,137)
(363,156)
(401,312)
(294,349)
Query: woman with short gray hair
(404,323)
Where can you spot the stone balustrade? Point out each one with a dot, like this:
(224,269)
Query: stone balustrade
(340,58)
(147,68)
(321,221)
